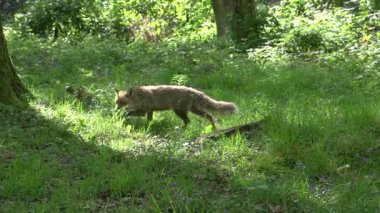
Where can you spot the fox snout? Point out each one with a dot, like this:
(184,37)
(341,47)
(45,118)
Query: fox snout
(121,99)
(119,105)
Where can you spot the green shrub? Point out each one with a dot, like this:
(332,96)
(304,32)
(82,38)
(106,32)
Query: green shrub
(53,18)
(303,41)
(137,19)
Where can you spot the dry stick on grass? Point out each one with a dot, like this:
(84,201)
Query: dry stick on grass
(245,128)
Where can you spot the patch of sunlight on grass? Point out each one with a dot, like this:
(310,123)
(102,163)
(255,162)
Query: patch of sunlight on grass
(86,72)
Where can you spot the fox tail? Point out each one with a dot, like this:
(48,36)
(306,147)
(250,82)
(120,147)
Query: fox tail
(214,105)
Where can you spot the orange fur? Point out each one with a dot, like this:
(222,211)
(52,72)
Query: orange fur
(147,99)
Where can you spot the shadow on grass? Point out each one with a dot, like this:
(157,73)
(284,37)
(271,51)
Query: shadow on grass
(46,167)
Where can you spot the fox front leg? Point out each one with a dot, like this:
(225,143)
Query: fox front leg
(136,113)
(149,117)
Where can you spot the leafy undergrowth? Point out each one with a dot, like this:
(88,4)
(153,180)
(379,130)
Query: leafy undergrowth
(318,151)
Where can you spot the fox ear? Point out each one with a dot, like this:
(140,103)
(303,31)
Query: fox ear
(116,90)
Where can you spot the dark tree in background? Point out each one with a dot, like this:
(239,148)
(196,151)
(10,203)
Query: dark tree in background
(234,17)
(11,87)
(9,8)
(222,10)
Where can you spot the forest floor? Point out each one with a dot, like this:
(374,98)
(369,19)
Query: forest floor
(318,150)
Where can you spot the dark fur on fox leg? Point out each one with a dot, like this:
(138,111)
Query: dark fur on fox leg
(149,115)
(136,113)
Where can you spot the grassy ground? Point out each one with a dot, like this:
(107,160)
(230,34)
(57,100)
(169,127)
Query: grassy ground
(318,151)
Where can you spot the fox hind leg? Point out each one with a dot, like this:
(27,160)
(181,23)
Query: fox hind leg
(183,115)
(203,114)
(149,116)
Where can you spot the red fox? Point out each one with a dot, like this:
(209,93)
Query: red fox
(142,100)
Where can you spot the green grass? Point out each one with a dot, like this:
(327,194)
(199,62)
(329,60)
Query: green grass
(318,151)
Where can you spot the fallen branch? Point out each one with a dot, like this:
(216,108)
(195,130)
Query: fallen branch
(243,129)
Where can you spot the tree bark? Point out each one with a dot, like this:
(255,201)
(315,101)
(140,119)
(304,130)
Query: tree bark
(234,18)
(11,87)
(223,10)
(244,18)
(2,4)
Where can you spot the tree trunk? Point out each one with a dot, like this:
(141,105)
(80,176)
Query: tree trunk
(2,4)
(234,17)
(11,87)
(223,10)
(244,18)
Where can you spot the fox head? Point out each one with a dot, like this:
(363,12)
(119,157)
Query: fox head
(122,98)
